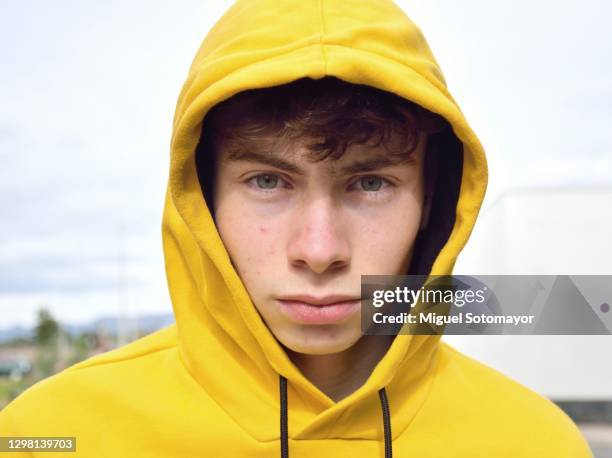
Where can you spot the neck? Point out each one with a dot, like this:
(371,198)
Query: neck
(339,374)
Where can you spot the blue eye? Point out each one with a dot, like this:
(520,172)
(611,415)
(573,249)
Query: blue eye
(267,181)
(372,183)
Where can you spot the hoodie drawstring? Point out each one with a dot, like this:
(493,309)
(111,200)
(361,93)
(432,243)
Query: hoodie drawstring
(384,404)
(284,439)
(283,418)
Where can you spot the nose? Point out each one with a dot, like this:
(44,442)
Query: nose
(318,239)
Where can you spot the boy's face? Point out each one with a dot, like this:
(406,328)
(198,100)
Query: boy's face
(297,228)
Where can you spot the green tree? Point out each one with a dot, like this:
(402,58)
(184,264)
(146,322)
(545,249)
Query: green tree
(47,328)
(46,336)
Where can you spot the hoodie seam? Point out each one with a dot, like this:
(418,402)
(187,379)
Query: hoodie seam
(321,33)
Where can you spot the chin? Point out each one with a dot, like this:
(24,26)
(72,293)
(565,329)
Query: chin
(319,339)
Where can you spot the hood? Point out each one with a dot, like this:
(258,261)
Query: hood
(223,342)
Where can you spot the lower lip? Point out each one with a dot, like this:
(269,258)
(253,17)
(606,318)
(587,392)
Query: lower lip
(319,314)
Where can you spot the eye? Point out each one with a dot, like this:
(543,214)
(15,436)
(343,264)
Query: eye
(371,183)
(266,181)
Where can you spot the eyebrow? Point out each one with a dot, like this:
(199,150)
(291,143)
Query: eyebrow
(365,165)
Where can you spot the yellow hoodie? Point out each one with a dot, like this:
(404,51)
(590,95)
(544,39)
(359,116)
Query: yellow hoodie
(209,385)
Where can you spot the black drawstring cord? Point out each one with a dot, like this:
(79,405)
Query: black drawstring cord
(284,439)
(384,403)
(283,418)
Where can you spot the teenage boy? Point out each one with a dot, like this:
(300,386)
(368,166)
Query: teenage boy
(313,142)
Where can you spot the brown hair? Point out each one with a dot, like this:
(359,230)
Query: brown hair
(331,114)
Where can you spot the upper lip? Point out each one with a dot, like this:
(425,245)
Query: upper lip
(319,300)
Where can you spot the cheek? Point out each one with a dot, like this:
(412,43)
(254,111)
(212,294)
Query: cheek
(386,238)
(267,236)
(252,246)
(251,237)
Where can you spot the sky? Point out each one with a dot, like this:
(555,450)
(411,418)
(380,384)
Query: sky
(88,91)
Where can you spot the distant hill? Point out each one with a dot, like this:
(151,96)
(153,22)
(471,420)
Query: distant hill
(15,332)
(144,323)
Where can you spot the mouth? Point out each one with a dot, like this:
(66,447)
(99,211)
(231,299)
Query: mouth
(325,310)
